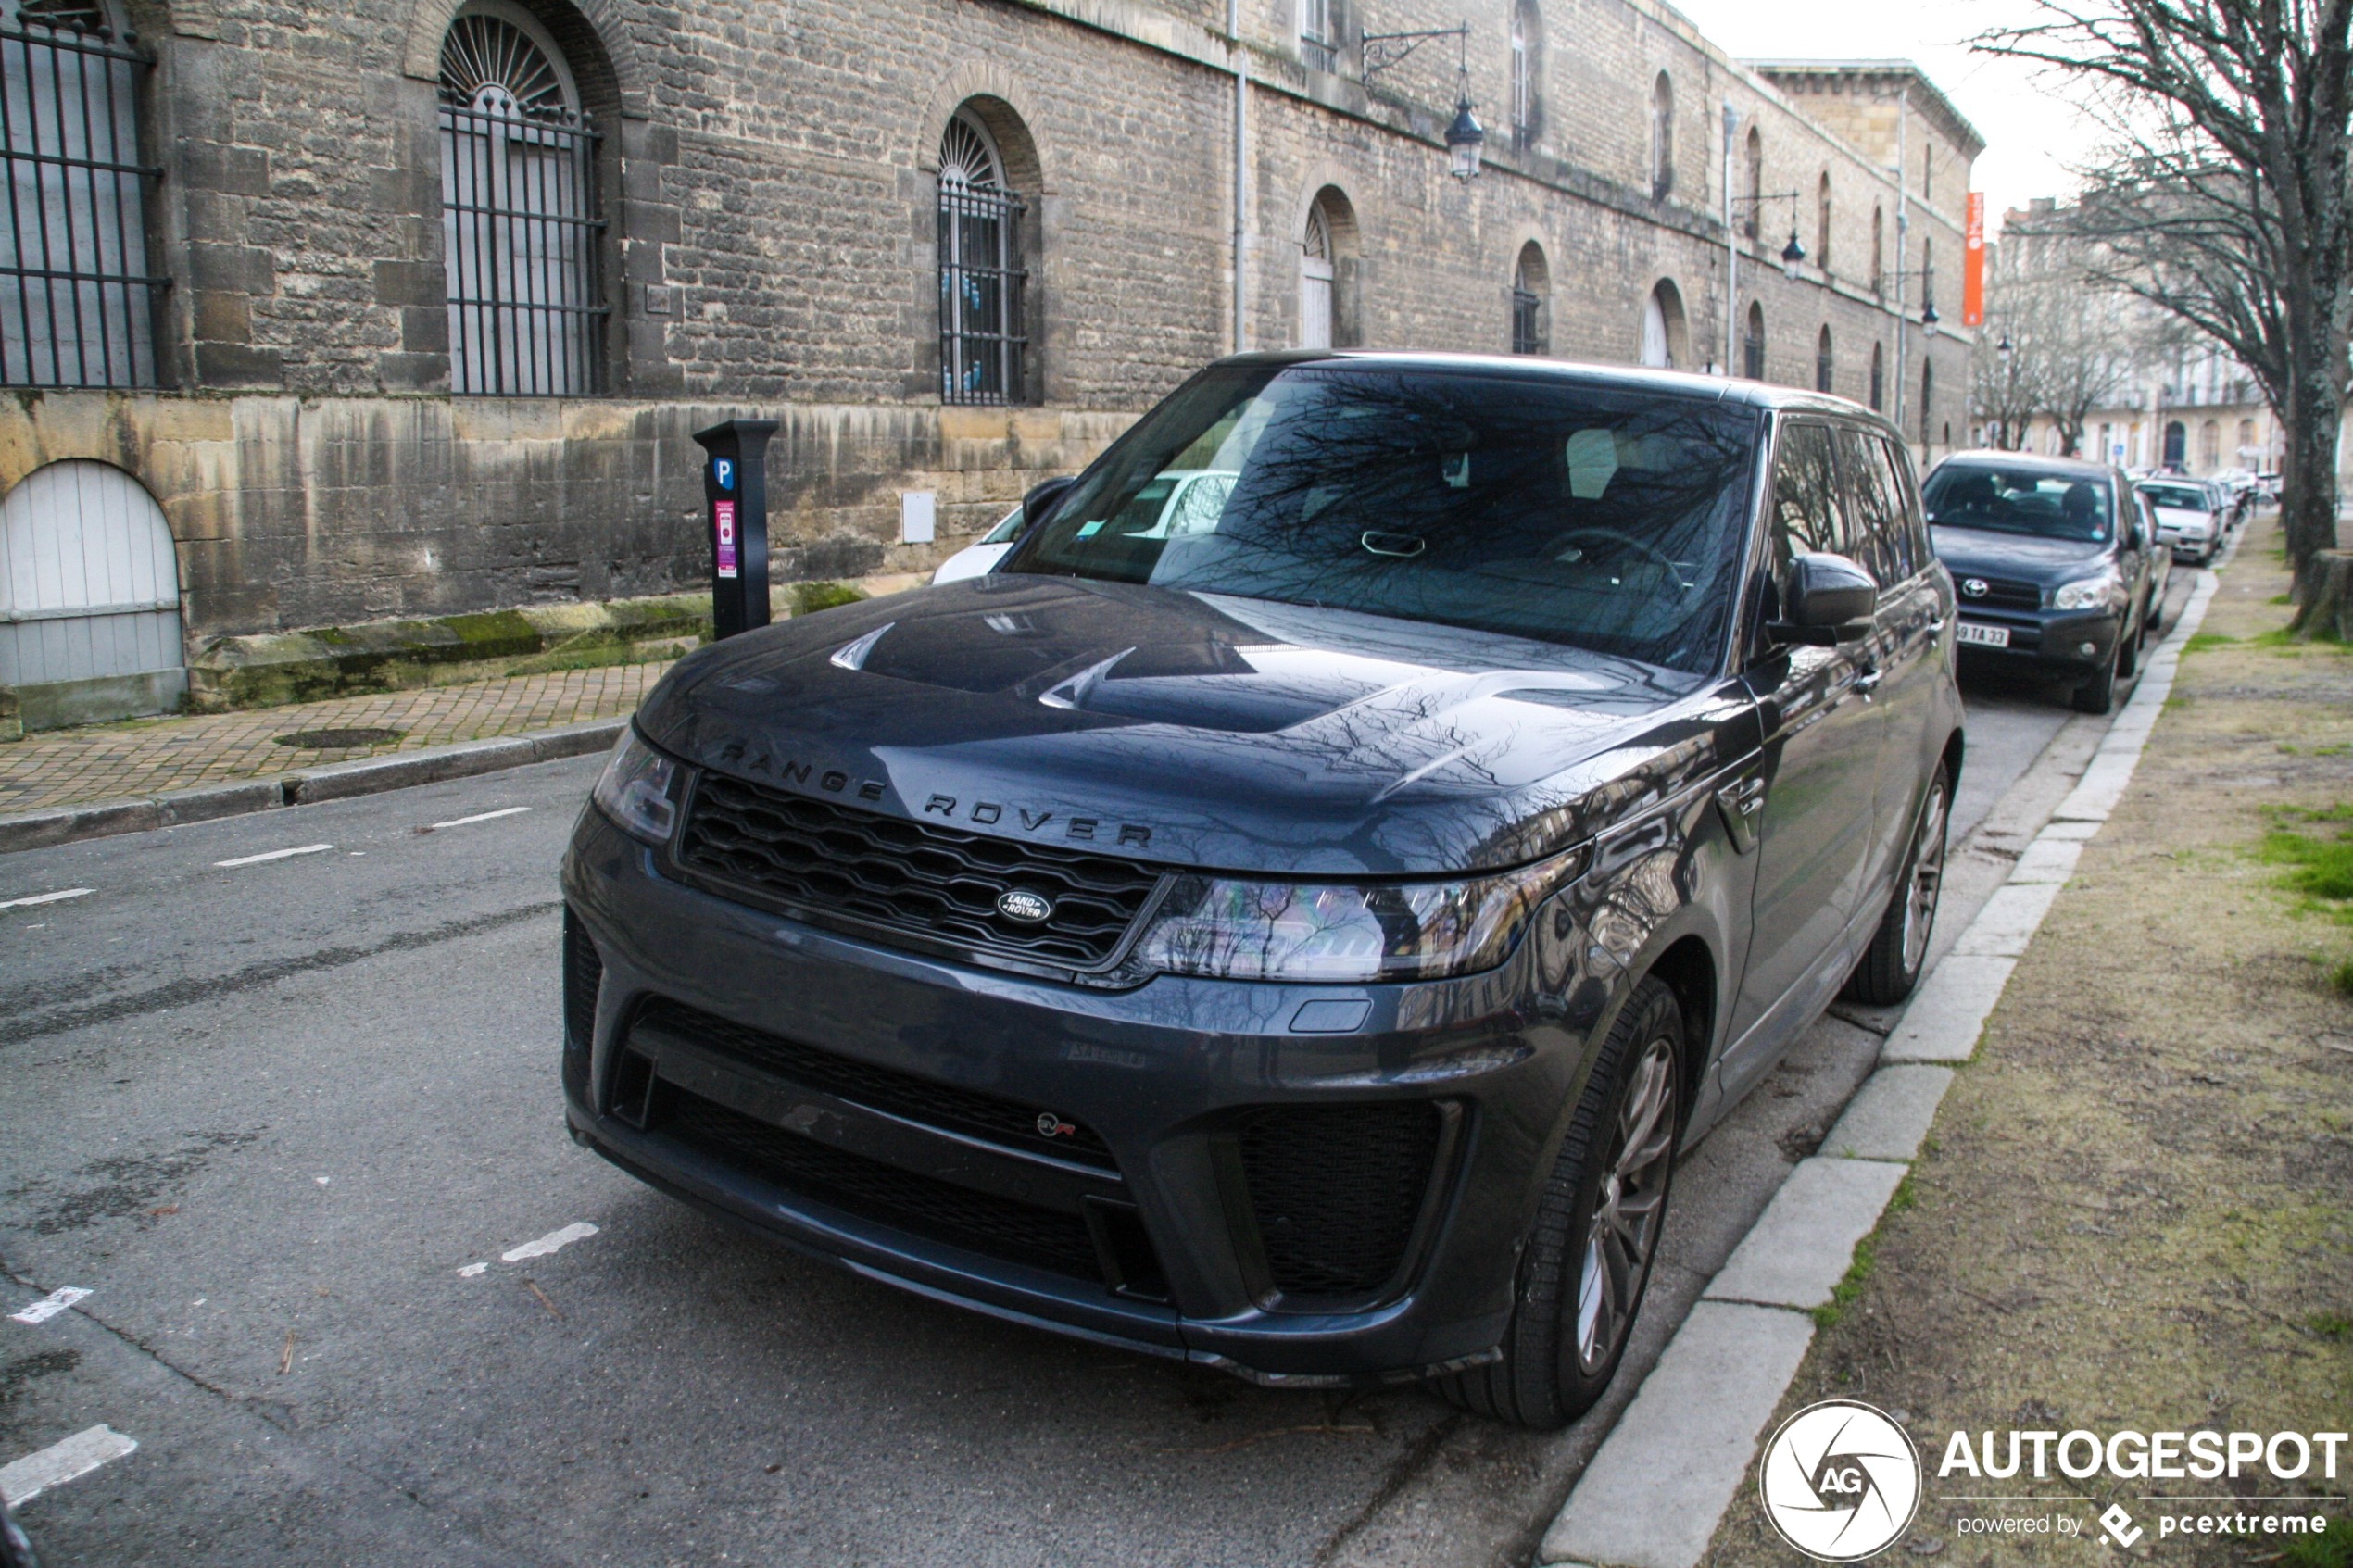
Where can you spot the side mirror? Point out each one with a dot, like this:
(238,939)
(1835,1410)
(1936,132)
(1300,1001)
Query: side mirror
(1038,503)
(1828,600)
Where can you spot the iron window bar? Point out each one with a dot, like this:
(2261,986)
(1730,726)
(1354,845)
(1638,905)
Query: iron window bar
(76,218)
(983,304)
(525,235)
(1528,322)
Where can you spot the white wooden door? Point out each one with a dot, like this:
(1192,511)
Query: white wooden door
(89,585)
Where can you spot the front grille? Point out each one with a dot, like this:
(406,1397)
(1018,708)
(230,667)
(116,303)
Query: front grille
(1009,1121)
(1000,1228)
(2002,593)
(1336,1190)
(828,863)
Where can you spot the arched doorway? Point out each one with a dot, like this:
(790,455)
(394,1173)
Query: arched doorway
(1327,251)
(89,597)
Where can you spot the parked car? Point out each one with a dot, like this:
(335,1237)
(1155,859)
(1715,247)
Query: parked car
(2055,567)
(981,555)
(1289,916)
(2187,518)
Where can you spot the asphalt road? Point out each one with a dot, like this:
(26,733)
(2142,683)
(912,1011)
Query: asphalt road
(283,1119)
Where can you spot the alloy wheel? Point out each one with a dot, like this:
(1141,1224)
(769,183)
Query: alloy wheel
(1928,880)
(1622,1232)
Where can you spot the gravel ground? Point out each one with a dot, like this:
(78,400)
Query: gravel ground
(2136,1207)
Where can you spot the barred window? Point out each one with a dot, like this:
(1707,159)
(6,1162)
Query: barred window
(1318,49)
(520,221)
(1824,366)
(1527,35)
(77,292)
(1530,286)
(1753,344)
(982,340)
(1661,136)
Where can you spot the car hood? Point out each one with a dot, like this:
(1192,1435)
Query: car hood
(1979,552)
(1198,730)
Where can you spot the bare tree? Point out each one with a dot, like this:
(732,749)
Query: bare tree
(2059,341)
(2228,207)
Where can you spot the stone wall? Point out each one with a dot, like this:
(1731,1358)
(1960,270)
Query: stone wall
(767,172)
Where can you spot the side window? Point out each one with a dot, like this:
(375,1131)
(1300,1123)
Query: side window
(1877,536)
(1807,514)
(1907,494)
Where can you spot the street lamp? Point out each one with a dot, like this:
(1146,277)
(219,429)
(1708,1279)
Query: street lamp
(1793,256)
(1794,253)
(1463,140)
(1929,320)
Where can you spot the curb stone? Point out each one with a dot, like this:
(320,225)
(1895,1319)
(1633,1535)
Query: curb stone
(1659,1485)
(307,787)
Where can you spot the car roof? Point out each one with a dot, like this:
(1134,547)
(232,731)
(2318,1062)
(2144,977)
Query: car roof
(2029,462)
(1634,378)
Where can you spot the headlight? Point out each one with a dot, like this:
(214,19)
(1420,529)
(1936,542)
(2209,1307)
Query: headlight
(1230,929)
(2087,593)
(636,789)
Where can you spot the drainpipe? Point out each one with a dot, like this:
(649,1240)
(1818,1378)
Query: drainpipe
(1732,244)
(1241,175)
(1903,251)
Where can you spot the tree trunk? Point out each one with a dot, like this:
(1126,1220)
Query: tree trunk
(2326,607)
(2307,481)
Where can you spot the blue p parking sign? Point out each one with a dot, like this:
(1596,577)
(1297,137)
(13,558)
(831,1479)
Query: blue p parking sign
(723,472)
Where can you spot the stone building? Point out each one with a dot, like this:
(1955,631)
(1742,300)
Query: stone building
(367,309)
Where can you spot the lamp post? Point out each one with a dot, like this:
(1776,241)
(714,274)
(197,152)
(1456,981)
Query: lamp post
(2007,353)
(1466,139)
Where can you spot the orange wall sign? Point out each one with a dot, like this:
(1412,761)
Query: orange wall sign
(1973,264)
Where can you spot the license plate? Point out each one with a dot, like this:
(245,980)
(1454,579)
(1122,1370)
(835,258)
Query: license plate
(1984,636)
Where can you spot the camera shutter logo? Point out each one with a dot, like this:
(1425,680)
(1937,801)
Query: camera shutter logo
(1839,1481)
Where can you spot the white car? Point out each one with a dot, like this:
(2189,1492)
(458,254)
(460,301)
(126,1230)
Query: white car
(2188,517)
(980,557)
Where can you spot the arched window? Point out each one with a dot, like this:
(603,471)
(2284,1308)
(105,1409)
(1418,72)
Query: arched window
(1666,343)
(77,296)
(2177,443)
(1531,290)
(1315,269)
(1822,362)
(1528,37)
(1822,224)
(1753,219)
(1753,344)
(2209,446)
(2245,454)
(520,225)
(1928,398)
(1879,375)
(1879,253)
(983,334)
(1661,136)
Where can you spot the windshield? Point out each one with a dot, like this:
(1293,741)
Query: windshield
(1008,529)
(1608,520)
(2178,495)
(2050,506)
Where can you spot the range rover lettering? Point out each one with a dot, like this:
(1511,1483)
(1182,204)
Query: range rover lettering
(1289,914)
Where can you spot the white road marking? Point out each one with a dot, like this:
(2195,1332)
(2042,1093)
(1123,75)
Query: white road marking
(57,897)
(483,817)
(470,1270)
(276,855)
(60,1462)
(49,1306)
(552,1241)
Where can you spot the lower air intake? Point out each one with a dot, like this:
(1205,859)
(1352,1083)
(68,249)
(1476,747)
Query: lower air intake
(1336,1190)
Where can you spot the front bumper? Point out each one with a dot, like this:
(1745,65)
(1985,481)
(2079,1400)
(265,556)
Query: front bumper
(2048,645)
(1187,1254)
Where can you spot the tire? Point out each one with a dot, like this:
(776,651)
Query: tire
(2127,650)
(1557,1360)
(2098,694)
(1892,964)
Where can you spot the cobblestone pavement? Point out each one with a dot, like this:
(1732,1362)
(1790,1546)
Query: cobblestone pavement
(147,757)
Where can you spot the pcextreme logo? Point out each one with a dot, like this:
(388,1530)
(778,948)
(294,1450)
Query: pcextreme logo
(1839,1481)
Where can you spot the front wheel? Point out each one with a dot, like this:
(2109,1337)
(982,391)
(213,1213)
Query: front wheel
(2098,694)
(1892,964)
(1585,1269)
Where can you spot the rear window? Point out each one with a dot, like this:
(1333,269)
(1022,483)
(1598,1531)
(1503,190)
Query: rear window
(2183,496)
(2049,506)
(1607,519)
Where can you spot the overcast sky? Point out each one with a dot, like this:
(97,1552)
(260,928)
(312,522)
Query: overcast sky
(2032,132)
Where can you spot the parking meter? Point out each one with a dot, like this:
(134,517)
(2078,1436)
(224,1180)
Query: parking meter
(735,488)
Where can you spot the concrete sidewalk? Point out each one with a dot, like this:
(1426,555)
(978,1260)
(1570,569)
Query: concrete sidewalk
(142,759)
